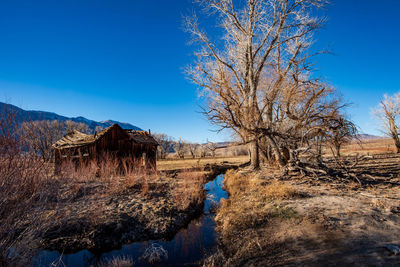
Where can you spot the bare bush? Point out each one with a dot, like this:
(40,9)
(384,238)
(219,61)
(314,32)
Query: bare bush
(24,185)
(166,144)
(180,148)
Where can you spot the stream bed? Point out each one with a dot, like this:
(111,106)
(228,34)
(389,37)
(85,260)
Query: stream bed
(188,247)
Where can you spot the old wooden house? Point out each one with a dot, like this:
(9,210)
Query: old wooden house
(113,142)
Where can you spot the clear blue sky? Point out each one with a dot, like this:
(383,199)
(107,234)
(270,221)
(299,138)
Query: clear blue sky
(123,60)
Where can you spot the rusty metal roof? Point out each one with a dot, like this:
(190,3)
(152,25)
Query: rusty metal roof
(142,137)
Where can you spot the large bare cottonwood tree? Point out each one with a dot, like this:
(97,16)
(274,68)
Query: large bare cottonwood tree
(256,79)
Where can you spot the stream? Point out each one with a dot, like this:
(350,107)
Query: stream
(188,247)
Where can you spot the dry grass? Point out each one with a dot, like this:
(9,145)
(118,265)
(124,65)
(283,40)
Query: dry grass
(117,262)
(252,202)
(266,222)
(367,147)
(278,190)
(177,164)
(255,206)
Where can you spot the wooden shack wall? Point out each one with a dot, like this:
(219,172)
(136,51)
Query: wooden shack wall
(114,141)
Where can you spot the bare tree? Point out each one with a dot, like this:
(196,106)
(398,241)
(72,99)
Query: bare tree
(263,50)
(41,135)
(192,148)
(211,147)
(180,147)
(388,111)
(202,150)
(70,126)
(341,132)
(166,144)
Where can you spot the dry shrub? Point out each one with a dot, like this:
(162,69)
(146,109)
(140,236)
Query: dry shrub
(189,189)
(25,184)
(119,261)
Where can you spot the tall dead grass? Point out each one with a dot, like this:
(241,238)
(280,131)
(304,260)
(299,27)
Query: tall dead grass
(111,175)
(119,261)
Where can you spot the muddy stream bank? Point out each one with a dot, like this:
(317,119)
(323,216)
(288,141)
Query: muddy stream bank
(187,247)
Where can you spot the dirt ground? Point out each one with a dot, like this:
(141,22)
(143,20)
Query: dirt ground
(306,221)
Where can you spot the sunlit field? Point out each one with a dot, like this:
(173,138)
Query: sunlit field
(188,163)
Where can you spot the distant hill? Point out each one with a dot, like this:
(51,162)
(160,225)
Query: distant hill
(368,137)
(33,115)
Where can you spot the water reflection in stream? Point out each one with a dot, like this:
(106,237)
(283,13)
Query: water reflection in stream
(187,247)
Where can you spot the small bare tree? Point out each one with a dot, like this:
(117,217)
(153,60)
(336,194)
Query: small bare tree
(192,148)
(41,135)
(202,151)
(388,112)
(342,131)
(70,126)
(212,147)
(263,41)
(166,144)
(180,147)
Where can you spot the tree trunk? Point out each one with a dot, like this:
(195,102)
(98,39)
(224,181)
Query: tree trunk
(395,137)
(337,147)
(397,144)
(276,151)
(254,155)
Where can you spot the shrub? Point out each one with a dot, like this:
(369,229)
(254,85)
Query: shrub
(24,184)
